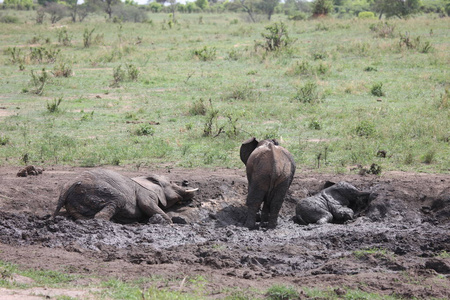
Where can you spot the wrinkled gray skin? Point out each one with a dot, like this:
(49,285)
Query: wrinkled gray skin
(270,169)
(105,194)
(332,205)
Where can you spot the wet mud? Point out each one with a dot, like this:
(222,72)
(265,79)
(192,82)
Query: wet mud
(394,246)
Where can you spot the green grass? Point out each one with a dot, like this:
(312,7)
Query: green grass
(166,71)
(375,251)
(159,287)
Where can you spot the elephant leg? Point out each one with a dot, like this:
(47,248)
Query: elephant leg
(275,205)
(107,212)
(149,207)
(326,217)
(254,199)
(265,212)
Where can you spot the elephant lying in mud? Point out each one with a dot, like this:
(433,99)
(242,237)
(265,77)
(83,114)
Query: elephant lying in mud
(105,194)
(334,204)
(270,169)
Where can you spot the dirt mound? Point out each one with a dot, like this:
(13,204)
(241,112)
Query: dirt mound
(402,231)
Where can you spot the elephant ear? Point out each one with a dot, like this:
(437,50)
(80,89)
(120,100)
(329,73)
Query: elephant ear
(247,148)
(151,184)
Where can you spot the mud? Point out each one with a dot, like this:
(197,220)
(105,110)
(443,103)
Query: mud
(398,245)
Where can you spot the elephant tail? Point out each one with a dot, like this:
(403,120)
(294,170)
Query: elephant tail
(63,197)
(298,219)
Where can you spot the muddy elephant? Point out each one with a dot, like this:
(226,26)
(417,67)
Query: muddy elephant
(105,194)
(270,169)
(337,203)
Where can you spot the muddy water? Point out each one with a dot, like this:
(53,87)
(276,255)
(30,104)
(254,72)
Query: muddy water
(405,228)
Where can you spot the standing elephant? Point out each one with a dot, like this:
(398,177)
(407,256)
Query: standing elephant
(105,194)
(270,170)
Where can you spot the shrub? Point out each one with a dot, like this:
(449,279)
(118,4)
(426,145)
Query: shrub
(365,129)
(281,292)
(16,55)
(234,55)
(63,36)
(429,157)
(383,30)
(370,69)
(366,15)
(213,127)
(133,72)
(198,108)
(377,89)
(276,38)
(62,69)
(53,107)
(129,13)
(56,11)
(319,55)
(298,16)
(87,37)
(315,124)
(300,68)
(118,76)
(243,92)
(206,54)
(155,7)
(9,19)
(39,81)
(44,55)
(4,140)
(144,129)
(307,93)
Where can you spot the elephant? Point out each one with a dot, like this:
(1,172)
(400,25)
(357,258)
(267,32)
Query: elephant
(336,203)
(270,170)
(105,194)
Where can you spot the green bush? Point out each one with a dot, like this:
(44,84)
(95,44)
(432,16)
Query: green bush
(298,16)
(281,292)
(307,93)
(366,15)
(62,69)
(144,129)
(383,30)
(205,54)
(53,107)
(133,72)
(377,89)
(118,76)
(276,38)
(4,140)
(9,19)
(198,108)
(365,129)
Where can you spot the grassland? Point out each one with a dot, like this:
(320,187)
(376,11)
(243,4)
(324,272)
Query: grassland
(186,94)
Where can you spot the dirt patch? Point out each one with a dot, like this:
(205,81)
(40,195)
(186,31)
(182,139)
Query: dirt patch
(391,248)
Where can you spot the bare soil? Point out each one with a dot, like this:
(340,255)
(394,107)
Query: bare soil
(398,246)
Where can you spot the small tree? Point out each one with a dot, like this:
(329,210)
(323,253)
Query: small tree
(202,4)
(248,7)
(56,11)
(322,7)
(268,7)
(396,8)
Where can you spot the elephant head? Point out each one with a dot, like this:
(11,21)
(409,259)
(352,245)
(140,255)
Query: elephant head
(168,193)
(250,145)
(270,170)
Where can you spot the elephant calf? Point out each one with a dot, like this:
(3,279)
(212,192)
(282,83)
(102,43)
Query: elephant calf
(270,169)
(333,204)
(106,194)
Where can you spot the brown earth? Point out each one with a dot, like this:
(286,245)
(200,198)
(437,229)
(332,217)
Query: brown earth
(398,246)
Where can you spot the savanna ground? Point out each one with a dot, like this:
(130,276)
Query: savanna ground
(178,99)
